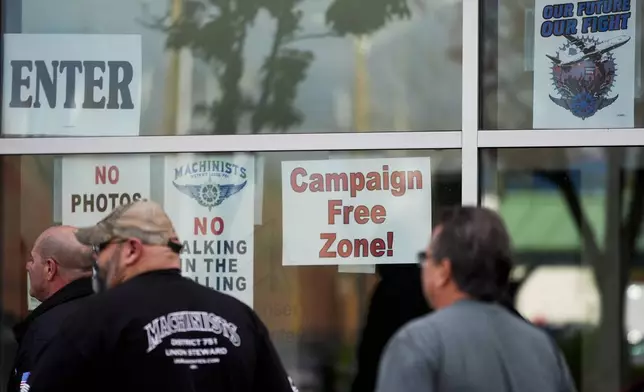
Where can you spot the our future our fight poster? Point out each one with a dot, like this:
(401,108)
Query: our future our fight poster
(584,64)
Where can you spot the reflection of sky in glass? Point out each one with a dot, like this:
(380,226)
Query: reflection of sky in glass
(410,75)
(108,17)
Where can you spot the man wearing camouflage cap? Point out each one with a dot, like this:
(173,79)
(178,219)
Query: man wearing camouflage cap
(149,328)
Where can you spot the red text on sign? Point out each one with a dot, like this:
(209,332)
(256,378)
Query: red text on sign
(361,214)
(207,226)
(103,174)
(359,247)
(397,181)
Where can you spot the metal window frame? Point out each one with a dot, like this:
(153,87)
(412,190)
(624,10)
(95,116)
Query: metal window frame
(232,143)
(475,138)
(562,138)
(470,104)
(469,140)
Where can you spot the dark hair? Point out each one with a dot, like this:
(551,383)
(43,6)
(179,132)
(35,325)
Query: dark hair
(476,242)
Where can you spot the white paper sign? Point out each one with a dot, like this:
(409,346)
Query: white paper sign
(355,211)
(94,185)
(357,269)
(210,199)
(584,64)
(71,85)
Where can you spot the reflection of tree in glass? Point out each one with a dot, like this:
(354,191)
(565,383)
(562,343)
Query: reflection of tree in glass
(611,252)
(612,255)
(360,17)
(611,262)
(216,31)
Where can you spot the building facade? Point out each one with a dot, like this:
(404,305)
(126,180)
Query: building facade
(302,145)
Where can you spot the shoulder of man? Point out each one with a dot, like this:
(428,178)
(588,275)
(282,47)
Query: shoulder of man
(233,308)
(423,336)
(46,326)
(422,333)
(223,301)
(58,315)
(87,316)
(41,332)
(411,357)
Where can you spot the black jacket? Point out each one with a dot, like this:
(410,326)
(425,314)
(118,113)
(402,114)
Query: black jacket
(397,299)
(8,349)
(161,332)
(41,326)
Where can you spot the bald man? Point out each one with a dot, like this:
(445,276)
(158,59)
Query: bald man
(59,270)
(152,329)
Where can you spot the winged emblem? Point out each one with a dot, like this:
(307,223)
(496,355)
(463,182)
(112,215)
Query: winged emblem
(210,194)
(583,74)
(578,50)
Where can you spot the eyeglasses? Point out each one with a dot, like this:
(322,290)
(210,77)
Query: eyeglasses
(421,258)
(97,249)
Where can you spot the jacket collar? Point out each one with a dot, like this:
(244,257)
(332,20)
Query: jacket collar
(76,289)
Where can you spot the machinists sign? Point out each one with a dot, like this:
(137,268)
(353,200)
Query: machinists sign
(210,199)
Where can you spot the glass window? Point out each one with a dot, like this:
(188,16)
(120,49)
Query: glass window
(231,214)
(195,67)
(575,217)
(549,65)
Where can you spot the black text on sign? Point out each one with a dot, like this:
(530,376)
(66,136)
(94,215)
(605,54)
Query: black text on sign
(31,80)
(103,202)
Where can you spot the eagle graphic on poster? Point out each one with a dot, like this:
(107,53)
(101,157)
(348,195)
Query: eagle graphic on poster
(210,194)
(583,74)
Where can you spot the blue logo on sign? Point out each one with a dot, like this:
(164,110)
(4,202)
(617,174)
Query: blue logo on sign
(210,182)
(583,74)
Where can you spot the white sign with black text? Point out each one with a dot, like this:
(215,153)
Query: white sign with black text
(71,85)
(94,185)
(210,199)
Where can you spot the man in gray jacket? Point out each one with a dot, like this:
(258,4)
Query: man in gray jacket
(470,343)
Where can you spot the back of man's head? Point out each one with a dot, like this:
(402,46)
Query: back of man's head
(477,244)
(57,259)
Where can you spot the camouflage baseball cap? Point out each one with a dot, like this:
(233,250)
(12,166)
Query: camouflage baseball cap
(142,219)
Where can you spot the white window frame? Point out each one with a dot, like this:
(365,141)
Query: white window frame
(469,140)
(231,143)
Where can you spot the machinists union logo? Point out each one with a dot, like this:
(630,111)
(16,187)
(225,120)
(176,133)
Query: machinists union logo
(583,74)
(210,182)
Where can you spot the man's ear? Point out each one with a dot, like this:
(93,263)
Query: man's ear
(51,269)
(444,269)
(133,250)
